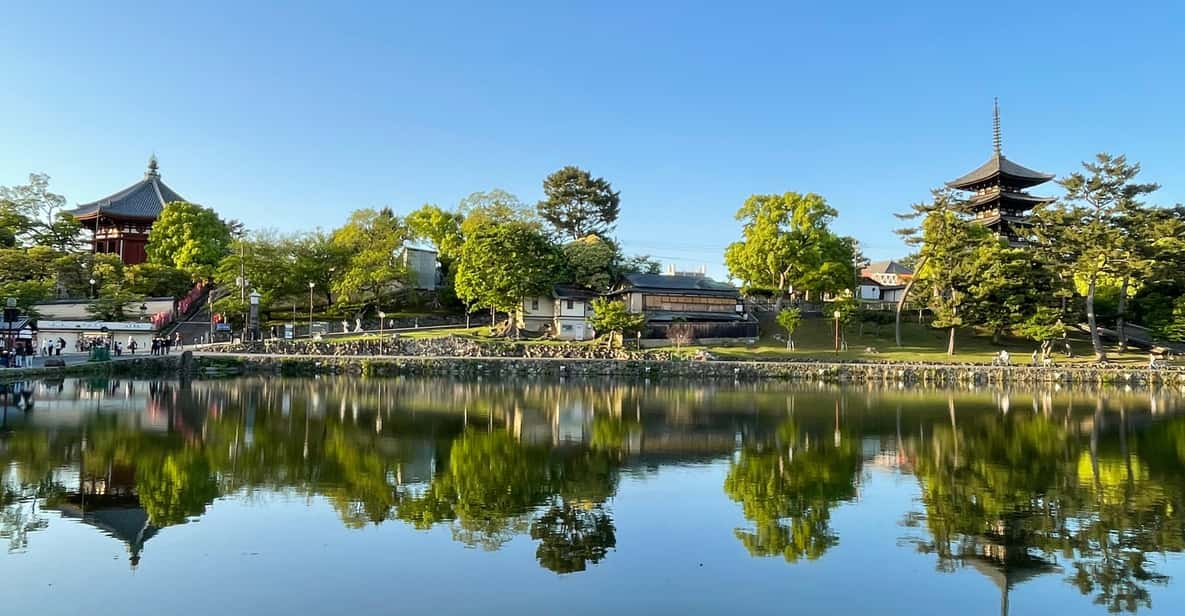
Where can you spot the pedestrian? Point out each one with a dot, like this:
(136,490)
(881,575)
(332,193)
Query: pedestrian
(132,346)
(178,341)
(61,345)
(168,342)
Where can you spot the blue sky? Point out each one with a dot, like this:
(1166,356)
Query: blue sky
(289,115)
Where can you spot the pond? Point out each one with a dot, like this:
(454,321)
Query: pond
(345,495)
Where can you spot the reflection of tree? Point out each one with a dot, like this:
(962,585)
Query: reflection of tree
(493,485)
(176,487)
(1010,495)
(571,536)
(788,492)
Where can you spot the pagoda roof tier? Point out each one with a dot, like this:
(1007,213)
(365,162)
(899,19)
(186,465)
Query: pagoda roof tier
(999,169)
(1016,200)
(143,200)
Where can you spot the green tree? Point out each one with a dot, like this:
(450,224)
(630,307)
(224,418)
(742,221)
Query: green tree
(788,245)
(1096,244)
(591,262)
(503,264)
(112,303)
(951,246)
(613,318)
(790,319)
(30,212)
(154,280)
(640,264)
(943,200)
(494,206)
(373,241)
(578,205)
(440,227)
(1043,326)
(190,238)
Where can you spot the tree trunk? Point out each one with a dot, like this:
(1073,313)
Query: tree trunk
(779,302)
(1121,321)
(1095,341)
(950,346)
(996,337)
(904,295)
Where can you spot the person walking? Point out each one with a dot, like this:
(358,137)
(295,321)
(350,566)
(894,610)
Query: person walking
(61,345)
(132,346)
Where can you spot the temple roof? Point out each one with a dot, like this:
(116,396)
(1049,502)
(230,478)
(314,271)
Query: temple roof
(143,200)
(1018,199)
(682,285)
(998,167)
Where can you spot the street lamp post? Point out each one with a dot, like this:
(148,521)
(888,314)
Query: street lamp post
(311,285)
(836,315)
(382,317)
(92,281)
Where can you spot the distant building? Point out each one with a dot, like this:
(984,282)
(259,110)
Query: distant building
(714,309)
(872,290)
(421,263)
(891,273)
(119,224)
(564,313)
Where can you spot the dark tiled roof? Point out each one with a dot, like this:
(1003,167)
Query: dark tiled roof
(143,200)
(1014,175)
(1007,197)
(695,285)
(563,291)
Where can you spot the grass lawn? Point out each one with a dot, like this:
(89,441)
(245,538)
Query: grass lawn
(815,339)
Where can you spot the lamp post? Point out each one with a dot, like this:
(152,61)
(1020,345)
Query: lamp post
(836,315)
(382,317)
(311,285)
(92,281)
(143,312)
(253,316)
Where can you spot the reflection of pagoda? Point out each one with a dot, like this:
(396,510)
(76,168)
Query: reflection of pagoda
(998,199)
(120,223)
(111,505)
(1006,566)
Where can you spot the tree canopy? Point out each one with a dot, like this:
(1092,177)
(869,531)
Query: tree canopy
(190,238)
(788,246)
(578,205)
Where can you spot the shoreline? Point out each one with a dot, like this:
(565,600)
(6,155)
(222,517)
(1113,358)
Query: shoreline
(841,371)
(205,364)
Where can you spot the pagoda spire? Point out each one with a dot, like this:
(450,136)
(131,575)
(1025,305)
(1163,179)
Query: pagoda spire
(996,141)
(153,167)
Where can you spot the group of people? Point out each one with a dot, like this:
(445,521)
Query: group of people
(164,345)
(22,353)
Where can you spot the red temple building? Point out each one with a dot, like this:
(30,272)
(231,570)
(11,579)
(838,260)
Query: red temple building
(120,223)
(998,187)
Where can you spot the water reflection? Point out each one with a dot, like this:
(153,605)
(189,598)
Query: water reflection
(1083,485)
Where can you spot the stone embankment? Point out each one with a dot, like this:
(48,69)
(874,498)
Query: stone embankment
(935,374)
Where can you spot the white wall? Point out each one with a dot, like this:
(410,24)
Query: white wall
(72,311)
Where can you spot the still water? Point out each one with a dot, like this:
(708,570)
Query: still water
(340,495)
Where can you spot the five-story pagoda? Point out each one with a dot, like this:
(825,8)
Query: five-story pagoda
(998,198)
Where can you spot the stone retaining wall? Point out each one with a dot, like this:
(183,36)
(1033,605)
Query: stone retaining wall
(936,374)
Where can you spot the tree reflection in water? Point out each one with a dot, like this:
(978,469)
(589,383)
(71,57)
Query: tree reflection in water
(1094,493)
(787,489)
(1027,494)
